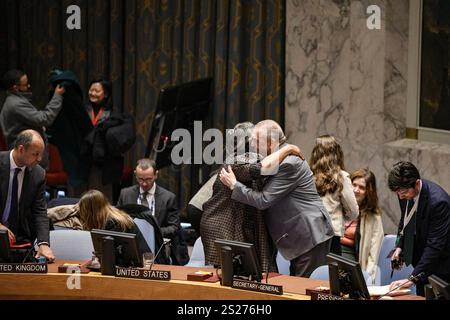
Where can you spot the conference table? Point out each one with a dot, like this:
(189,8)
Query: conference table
(95,286)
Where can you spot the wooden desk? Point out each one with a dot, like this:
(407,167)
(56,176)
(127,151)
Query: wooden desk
(95,286)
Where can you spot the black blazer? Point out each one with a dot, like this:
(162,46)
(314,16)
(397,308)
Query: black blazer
(33,222)
(166,210)
(167,216)
(432,239)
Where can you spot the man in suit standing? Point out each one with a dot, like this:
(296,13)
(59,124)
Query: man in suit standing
(23,208)
(162,205)
(296,219)
(423,238)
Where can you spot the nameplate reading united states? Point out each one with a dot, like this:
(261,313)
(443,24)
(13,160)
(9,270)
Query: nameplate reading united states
(256,286)
(143,274)
(23,268)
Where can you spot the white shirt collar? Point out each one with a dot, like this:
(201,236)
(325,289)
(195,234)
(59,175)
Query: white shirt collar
(151,191)
(420,190)
(12,163)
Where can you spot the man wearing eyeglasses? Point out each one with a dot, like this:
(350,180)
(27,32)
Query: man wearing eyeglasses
(19,114)
(162,205)
(424,230)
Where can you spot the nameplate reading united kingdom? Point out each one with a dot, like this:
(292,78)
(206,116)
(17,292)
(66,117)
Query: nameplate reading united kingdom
(23,268)
(143,274)
(256,286)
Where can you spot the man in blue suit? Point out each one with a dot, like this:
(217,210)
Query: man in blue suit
(424,230)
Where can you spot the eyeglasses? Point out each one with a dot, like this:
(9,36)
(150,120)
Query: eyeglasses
(142,180)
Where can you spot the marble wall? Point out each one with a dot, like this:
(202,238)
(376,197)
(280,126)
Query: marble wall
(346,80)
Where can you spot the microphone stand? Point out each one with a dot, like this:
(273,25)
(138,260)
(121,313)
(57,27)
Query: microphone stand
(273,255)
(410,278)
(157,253)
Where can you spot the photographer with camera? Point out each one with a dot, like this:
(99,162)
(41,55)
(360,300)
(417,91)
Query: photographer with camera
(423,238)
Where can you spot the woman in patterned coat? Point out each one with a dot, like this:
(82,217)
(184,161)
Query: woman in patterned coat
(224,218)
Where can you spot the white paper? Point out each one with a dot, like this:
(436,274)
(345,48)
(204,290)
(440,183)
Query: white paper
(382,290)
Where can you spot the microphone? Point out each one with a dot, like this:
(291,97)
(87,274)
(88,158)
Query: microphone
(410,278)
(285,235)
(28,254)
(166,241)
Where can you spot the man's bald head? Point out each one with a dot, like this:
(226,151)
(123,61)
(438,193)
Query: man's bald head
(27,137)
(28,148)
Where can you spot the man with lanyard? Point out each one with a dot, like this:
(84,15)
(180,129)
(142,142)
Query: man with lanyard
(423,238)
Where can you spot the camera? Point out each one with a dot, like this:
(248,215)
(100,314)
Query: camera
(398,263)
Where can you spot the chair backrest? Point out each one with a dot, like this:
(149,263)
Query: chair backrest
(71,244)
(283,264)
(322,273)
(383,275)
(197,258)
(148,232)
(55,174)
(3,146)
(55,162)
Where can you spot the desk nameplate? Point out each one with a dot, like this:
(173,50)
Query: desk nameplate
(315,295)
(143,274)
(23,268)
(258,287)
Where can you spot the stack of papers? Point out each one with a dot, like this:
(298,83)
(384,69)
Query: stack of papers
(376,291)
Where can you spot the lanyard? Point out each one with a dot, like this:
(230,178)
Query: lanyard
(152,206)
(152,203)
(96,118)
(409,215)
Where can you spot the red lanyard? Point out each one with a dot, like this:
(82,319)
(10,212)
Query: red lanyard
(95,119)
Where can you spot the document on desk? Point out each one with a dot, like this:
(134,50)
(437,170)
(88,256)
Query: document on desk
(376,291)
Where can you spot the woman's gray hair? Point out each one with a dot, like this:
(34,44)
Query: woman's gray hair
(238,140)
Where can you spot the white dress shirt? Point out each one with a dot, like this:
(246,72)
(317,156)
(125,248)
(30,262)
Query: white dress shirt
(150,198)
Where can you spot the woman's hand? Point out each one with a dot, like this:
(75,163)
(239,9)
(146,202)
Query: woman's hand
(227,177)
(295,151)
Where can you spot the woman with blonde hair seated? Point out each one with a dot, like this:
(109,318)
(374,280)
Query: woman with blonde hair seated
(93,211)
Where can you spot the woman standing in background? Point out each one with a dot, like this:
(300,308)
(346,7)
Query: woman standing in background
(334,187)
(369,231)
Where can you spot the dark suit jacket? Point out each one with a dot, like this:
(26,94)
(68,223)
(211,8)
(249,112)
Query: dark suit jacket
(167,215)
(432,239)
(293,207)
(33,221)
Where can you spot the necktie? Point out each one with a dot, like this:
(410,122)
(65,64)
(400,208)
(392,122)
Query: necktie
(408,243)
(10,218)
(144,201)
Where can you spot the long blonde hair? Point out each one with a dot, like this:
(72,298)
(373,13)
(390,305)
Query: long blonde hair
(96,211)
(327,161)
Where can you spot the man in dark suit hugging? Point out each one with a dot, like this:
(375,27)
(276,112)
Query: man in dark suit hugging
(162,205)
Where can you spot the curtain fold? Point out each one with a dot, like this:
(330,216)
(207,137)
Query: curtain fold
(143,46)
